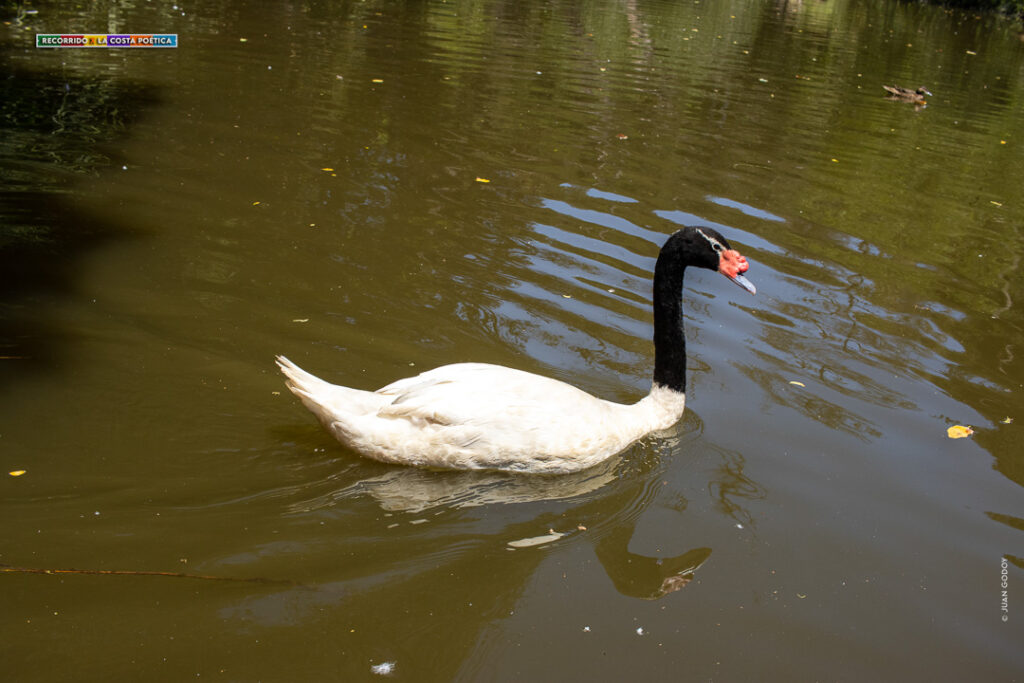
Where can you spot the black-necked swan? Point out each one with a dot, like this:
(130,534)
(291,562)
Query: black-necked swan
(480,416)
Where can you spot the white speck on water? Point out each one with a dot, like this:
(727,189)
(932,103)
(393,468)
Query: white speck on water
(639,630)
(586,629)
(383,669)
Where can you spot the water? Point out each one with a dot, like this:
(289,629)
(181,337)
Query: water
(375,189)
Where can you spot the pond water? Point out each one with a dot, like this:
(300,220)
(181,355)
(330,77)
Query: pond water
(376,188)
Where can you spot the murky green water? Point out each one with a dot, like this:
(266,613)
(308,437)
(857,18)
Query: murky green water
(309,179)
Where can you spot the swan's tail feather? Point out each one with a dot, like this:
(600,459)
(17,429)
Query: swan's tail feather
(299,381)
(329,402)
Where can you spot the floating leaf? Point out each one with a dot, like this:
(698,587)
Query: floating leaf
(959,432)
(482,180)
(300,320)
(16,473)
(378,80)
(326,169)
(536,540)
(797,384)
(1007,420)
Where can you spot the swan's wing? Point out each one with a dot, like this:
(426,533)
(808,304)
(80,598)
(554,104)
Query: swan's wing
(478,393)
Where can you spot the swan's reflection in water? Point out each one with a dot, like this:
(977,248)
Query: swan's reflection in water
(406,489)
(647,578)
(626,485)
(438,552)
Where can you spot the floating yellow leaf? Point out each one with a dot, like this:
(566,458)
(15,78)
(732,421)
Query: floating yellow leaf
(959,432)
(378,80)
(16,473)
(326,169)
(482,180)
(797,384)
(1007,420)
(300,320)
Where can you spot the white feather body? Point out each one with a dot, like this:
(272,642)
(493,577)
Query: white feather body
(481,416)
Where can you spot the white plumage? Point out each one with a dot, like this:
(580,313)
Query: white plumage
(479,416)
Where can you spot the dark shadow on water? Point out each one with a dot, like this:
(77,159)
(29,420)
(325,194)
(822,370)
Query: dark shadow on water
(55,131)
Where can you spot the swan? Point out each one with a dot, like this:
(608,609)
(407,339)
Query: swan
(480,416)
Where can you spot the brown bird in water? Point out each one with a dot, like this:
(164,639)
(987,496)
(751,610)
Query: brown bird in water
(906,95)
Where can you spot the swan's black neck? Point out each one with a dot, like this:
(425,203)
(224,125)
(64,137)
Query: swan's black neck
(685,248)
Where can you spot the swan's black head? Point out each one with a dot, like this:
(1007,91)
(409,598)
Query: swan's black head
(692,246)
(706,248)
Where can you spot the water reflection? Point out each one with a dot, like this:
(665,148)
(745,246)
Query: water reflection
(53,128)
(450,537)
(601,506)
(413,490)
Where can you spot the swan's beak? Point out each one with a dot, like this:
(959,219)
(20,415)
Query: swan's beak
(744,283)
(732,264)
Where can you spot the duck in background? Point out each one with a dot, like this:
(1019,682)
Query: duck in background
(907,95)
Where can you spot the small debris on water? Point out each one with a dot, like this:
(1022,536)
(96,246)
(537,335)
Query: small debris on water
(383,669)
